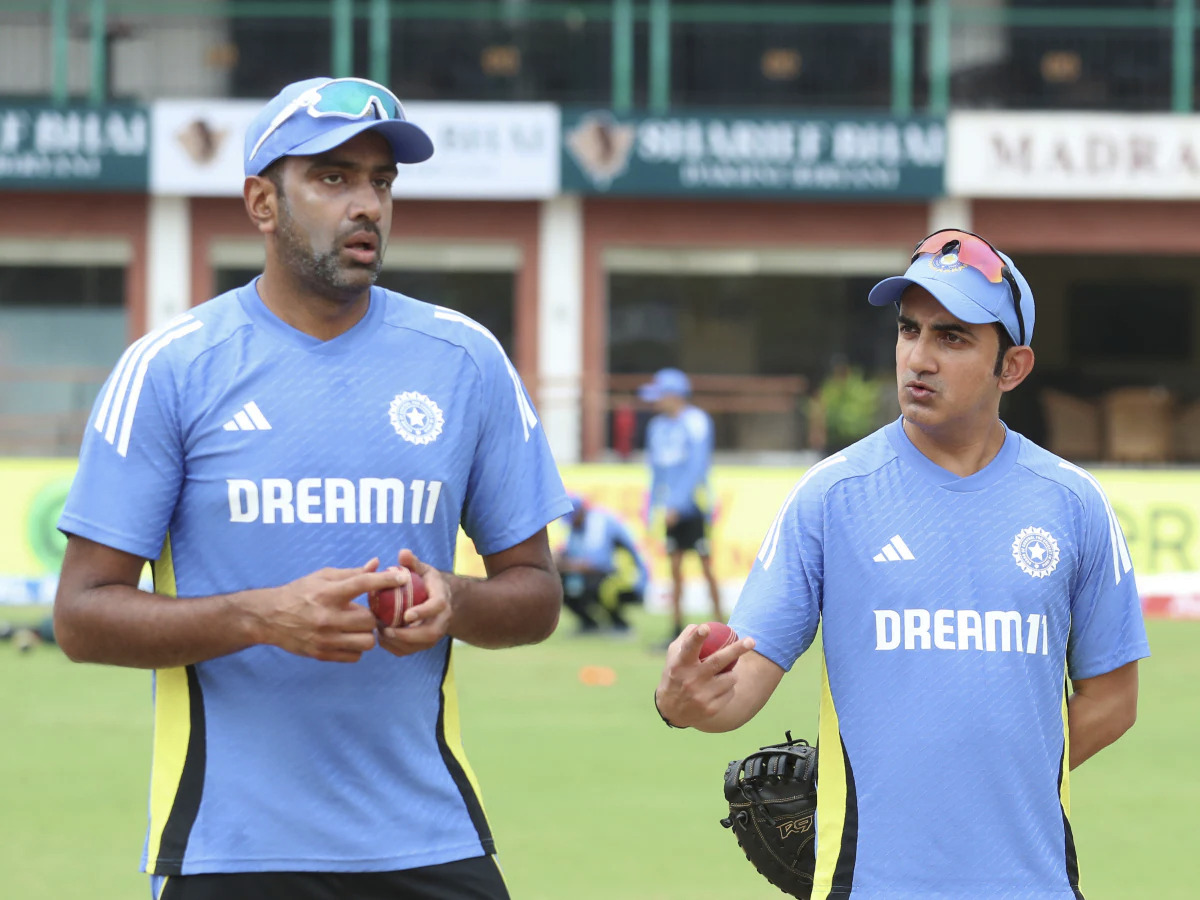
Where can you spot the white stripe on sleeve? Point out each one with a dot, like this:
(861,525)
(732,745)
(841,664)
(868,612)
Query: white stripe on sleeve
(766,553)
(1120,549)
(128,407)
(524,407)
(128,358)
(119,385)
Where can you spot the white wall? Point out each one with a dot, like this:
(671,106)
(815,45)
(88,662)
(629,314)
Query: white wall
(560,324)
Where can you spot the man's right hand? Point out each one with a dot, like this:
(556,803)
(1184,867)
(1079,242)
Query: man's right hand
(693,691)
(316,615)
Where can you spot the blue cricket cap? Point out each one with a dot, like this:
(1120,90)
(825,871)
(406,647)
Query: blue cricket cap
(666,381)
(313,116)
(964,291)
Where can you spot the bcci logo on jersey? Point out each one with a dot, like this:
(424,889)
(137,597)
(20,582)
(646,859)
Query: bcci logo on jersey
(1036,551)
(416,418)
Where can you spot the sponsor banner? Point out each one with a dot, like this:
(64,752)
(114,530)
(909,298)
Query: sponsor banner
(481,150)
(1175,596)
(197,150)
(31,548)
(1063,155)
(757,155)
(486,151)
(1159,511)
(73,148)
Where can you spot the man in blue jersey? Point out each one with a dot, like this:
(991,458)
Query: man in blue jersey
(265,452)
(962,575)
(679,445)
(601,566)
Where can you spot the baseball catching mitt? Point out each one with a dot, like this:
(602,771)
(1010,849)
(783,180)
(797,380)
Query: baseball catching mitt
(772,796)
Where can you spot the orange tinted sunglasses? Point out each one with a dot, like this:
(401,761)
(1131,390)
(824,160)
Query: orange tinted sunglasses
(974,251)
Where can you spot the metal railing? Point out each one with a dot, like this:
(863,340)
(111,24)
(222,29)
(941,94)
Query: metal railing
(47,432)
(901,55)
(751,413)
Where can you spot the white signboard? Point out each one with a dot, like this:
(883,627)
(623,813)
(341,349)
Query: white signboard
(489,151)
(196,146)
(483,151)
(1080,155)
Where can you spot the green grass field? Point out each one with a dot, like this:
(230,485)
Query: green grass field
(589,794)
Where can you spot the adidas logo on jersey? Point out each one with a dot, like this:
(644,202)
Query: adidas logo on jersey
(894,551)
(248,418)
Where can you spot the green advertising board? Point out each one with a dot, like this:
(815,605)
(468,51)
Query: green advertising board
(44,147)
(760,154)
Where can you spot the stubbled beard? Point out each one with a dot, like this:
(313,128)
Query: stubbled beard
(324,273)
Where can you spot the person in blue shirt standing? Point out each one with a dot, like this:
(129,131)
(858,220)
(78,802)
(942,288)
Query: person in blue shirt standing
(601,566)
(679,447)
(265,451)
(980,622)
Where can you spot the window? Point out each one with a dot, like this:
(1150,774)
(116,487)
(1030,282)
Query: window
(1137,321)
(62,328)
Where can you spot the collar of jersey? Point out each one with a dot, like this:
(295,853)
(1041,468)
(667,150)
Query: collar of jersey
(262,317)
(944,478)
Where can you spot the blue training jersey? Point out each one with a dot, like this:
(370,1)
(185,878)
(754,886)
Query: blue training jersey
(679,449)
(597,541)
(240,453)
(952,610)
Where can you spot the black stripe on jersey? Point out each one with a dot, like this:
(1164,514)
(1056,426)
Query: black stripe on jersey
(474,807)
(178,829)
(1072,861)
(843,872)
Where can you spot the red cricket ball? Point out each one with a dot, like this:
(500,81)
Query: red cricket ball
(390,604)
(719,635)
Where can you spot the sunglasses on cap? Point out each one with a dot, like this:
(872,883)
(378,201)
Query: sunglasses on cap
(974,251)
(345,98)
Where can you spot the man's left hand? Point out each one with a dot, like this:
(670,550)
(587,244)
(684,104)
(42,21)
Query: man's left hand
(426,623)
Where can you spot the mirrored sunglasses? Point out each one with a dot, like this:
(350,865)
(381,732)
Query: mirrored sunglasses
(974,251)
(346,98)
